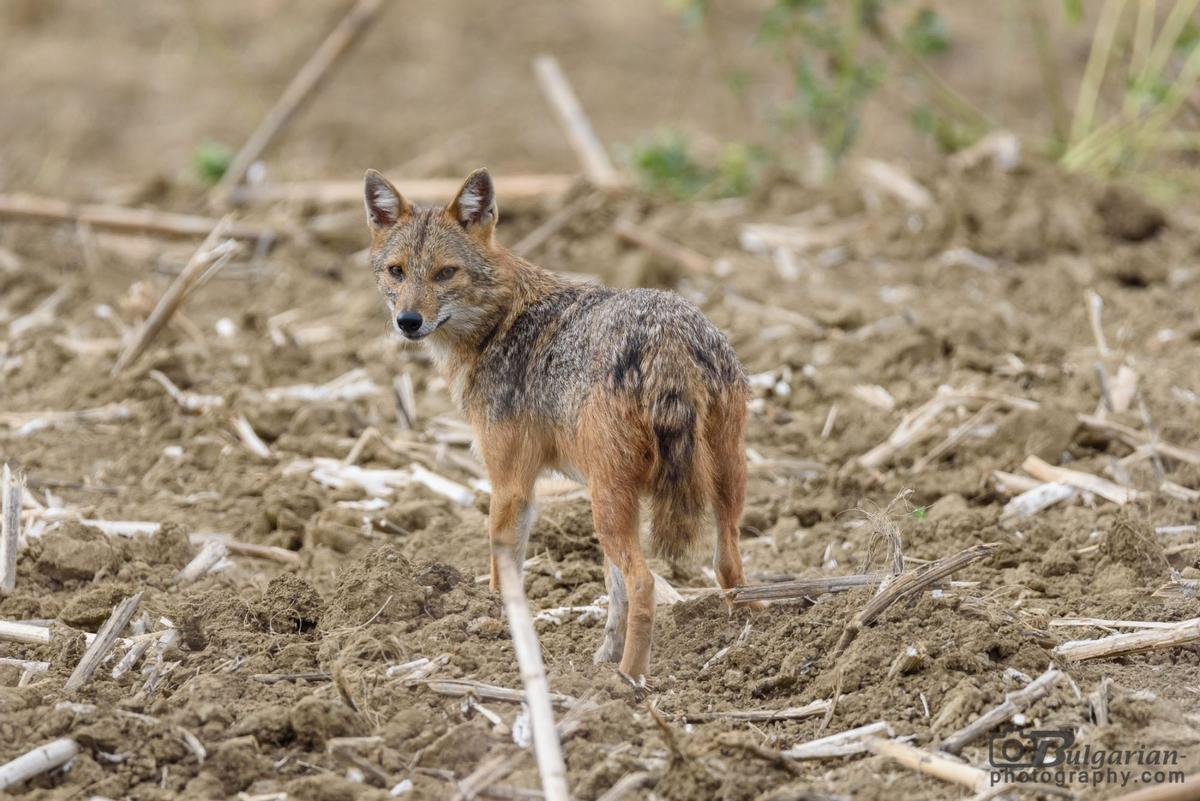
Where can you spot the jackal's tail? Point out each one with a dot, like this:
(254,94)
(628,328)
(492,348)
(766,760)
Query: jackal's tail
(681,476)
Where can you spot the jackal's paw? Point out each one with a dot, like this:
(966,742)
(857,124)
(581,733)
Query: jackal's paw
(610,650)
(641,685)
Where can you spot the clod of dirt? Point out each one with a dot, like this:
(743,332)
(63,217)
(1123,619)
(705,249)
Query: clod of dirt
(75,552)
(268,724)
(383,587)
(417,515)
(947,506)
(1136,267)
(232,767)
(1045,433)
(1131,542)
(1127,215)
(960,706)
(316,720)
(291,604)
(287,505)
(89,608)
(331,787)
(168,546)
(464,744)
(1059,558)
(337,528)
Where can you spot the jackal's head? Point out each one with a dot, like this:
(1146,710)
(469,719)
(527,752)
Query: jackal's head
(435,266)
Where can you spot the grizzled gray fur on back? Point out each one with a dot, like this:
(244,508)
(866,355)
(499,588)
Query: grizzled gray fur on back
(583,336)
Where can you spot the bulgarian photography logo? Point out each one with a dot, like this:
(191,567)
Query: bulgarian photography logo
(1050,756)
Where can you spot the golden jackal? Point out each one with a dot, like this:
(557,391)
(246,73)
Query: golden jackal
(635,391)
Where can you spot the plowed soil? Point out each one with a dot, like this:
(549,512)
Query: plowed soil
(982,293)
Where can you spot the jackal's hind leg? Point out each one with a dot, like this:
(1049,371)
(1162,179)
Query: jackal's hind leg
(613,645)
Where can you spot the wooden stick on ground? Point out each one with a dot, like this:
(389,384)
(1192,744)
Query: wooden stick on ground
(1134,439)
(659,245)
(1032,501)
(270,552)
(489,692)
(118,218)
(1097,622)
(1014,702)
(909,583)
(29,422)
(32,665)
(803,588)
(424,190)
(106,638)
(1075,478)
(1095,308)
(627,784)
(1098,701)
(12,488)
(298,91)
(1186,632)
(208,258)
(845,743)
(1188,790)
(23,632)
(40,760)
(212,552)
(940,767)
(250,437)
(762,715)
(912,427)
(546,745)
(596,164)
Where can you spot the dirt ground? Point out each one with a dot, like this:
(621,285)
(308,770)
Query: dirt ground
(979,293)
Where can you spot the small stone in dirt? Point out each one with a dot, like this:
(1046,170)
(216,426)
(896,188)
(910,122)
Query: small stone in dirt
(316,720)
(1127,215)
(291,604)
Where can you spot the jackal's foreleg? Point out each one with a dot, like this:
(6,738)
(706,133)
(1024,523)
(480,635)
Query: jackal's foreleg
(513,465)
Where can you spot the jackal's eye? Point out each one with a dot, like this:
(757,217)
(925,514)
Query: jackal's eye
(396,271)
(445,274)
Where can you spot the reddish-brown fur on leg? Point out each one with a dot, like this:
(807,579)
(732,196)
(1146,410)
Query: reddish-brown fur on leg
(727,421)
(514,457)
(612,447)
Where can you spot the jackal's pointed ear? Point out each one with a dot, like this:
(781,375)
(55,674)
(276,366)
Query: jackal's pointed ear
(385,205)
(475,206)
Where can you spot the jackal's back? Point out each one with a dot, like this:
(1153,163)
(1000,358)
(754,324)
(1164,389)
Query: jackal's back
(647,345)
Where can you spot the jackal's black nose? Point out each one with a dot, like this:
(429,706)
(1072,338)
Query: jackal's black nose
(408,322)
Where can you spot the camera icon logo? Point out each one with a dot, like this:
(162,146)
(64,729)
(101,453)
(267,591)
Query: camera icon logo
(1020,748)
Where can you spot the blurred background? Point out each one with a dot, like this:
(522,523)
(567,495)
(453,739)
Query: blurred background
(94,96)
